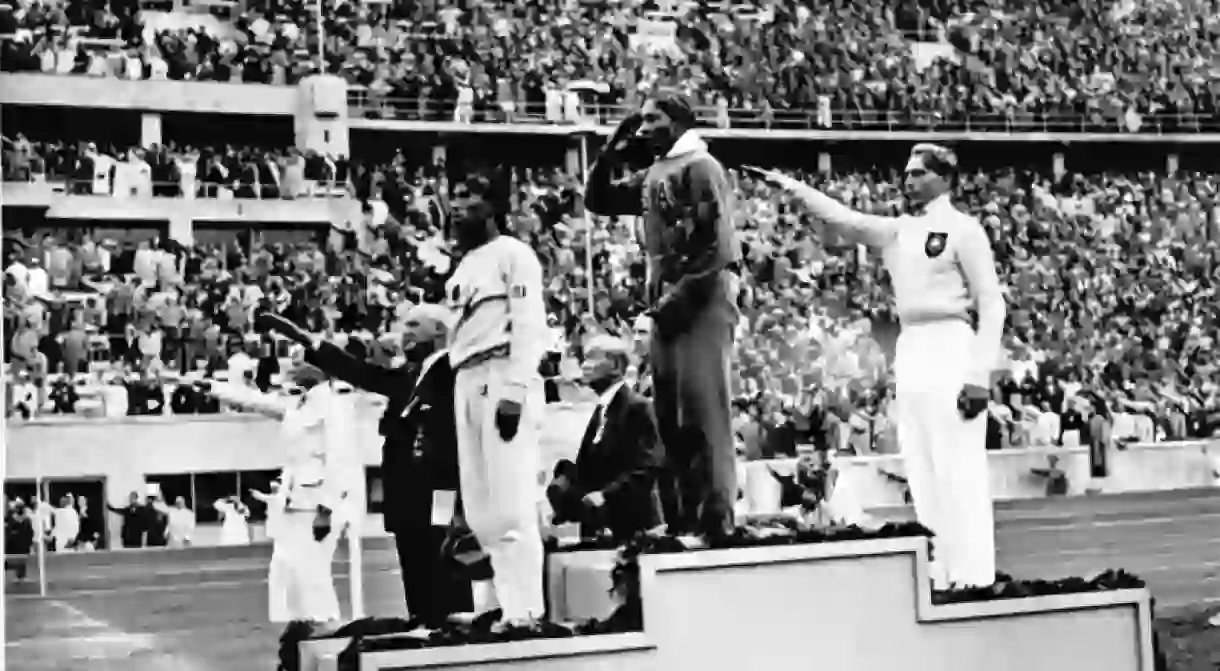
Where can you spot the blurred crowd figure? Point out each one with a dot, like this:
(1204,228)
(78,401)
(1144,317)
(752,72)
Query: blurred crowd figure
(170,171)
(69,525)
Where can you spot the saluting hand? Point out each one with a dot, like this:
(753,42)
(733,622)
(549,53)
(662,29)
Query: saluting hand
(626,130)
(972,400)
(508,419)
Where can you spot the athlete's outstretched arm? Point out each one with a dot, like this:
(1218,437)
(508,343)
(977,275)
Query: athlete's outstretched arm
(856,227)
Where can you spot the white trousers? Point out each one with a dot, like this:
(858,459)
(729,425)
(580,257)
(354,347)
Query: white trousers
(945,456)
(500,490)
(300,581)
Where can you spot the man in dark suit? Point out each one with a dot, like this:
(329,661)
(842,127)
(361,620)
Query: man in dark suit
(612,485)
(419,455)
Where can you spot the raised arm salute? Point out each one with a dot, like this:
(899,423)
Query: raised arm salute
(942,268)
(418,454)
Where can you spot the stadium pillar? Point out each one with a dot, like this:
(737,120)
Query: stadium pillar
(1058,167)
(1172,164)
(150,129)
(573,160)
(321,116)
(825,166)
(181,228)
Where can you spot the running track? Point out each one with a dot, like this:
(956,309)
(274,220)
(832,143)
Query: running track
(204,609)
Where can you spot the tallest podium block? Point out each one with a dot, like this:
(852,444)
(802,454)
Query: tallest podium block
(835,606)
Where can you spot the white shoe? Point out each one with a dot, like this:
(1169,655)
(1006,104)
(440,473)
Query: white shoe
(1214,620)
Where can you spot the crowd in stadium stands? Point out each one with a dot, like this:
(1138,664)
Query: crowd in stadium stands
(1111,286)
(225,172)
(1125,66)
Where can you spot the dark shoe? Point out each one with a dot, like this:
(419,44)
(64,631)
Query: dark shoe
(485,621)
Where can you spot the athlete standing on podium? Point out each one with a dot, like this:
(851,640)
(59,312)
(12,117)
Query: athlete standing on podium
(495,349)
(941,267)
(687,205)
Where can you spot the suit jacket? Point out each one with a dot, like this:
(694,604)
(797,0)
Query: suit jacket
(623,465)
(419,453)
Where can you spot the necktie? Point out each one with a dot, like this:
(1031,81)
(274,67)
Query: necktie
(600,414)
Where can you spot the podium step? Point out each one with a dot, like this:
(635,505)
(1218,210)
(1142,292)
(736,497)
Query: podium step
(859,605)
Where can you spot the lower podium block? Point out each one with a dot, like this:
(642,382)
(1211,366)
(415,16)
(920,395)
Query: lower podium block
(863,605)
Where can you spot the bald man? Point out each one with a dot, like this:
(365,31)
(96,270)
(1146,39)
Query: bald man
(419,470)
(942,269)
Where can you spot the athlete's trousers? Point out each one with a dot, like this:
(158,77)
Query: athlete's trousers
(300,582)
(693,408)
(945,456)
(500,488)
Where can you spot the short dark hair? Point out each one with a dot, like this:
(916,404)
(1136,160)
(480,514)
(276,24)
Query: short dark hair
(676,107)
(937,158)
(493,193)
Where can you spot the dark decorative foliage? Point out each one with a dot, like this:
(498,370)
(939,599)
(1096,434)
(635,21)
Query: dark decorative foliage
(1007,587)
(290,640)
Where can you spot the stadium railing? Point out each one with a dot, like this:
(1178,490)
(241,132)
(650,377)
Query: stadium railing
(364,104)
(202,191)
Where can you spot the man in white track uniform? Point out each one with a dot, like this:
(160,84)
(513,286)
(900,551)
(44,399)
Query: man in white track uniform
(941,266)
(321,480)
(495,349)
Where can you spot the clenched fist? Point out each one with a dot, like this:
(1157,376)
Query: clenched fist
(508,419)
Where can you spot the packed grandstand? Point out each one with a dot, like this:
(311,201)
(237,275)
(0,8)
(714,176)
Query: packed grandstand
(1110,257)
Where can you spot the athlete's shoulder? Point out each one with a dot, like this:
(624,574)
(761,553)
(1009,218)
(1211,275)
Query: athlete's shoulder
(704,163)
(964,218)
(513,249)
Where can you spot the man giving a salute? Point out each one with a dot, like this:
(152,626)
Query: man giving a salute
(687,205)
(495,349)
(941,267)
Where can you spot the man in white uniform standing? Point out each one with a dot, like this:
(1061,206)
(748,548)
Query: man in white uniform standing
(320,483)
(941,267)
(495,349)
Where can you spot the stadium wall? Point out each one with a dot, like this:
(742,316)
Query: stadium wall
(123,451)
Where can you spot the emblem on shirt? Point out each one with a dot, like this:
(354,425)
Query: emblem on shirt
(518,291)
(935,244)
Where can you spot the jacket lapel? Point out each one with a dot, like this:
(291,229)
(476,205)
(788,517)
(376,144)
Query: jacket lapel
(614,412)
(420,381)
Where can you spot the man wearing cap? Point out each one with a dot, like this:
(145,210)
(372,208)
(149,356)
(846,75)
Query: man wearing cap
(496,350)
(942,268)
(418,456)
(687,204)
(321,480)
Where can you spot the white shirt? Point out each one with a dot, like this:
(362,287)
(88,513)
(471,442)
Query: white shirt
(240,364)
(603,404)
(20,273)
(940,264)
(321,455)
(66,523)
(181,523)
(101,174)
(37,281)
(496,294)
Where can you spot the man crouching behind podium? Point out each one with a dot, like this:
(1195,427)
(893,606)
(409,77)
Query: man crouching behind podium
(613,482)
(321,477)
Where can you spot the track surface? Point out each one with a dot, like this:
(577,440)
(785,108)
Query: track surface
(205,609)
